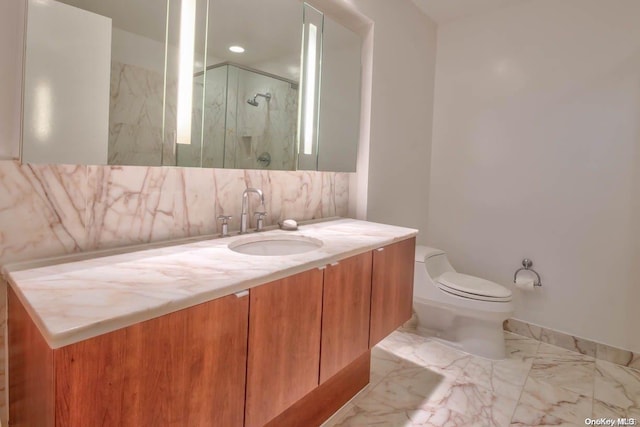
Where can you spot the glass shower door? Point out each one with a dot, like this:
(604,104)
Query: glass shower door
(261,121)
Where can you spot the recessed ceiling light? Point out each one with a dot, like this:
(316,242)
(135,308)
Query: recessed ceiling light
(236,49)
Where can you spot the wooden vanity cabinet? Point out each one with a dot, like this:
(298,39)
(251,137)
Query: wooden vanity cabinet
(290,353)
(391,288)
(284,345)
(186,368)
(345,314)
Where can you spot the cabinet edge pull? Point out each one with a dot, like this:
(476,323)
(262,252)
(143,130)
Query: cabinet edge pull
(333,264)
(380,249)
(242,294)
(322,268)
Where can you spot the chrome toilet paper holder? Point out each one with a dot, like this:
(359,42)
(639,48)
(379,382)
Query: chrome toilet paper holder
(526,266)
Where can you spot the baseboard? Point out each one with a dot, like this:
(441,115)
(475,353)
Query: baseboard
(570,342)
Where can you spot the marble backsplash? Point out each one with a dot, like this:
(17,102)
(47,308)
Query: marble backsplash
(49,210)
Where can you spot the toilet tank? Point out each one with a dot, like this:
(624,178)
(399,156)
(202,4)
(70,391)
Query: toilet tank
(433,260)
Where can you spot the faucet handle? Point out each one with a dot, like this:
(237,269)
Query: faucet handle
(225,224)
(260,220)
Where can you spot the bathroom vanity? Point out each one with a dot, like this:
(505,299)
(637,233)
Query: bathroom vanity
(197,334)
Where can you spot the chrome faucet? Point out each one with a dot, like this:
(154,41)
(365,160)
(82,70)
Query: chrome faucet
(244,217)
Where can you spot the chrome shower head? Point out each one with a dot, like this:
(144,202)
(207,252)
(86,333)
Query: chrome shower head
(254,101)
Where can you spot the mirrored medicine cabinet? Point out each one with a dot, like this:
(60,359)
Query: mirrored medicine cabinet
(247,84)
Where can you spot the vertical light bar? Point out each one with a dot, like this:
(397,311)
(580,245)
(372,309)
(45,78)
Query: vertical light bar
(42,114)
(310,90)
(185,70)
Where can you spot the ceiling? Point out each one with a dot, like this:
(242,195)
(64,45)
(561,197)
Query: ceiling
(442,11)
(270,31)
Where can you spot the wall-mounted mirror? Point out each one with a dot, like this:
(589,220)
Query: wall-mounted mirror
(201,83)
(247,115)
(330,95)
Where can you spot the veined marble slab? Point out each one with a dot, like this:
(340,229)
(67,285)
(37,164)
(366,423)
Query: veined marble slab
(84,298)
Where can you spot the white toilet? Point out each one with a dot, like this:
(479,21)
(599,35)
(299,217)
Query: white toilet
(464,311)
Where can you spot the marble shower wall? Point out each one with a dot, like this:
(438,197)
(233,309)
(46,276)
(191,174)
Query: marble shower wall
(136,120)
(50,210)
(269,127)
(135,115)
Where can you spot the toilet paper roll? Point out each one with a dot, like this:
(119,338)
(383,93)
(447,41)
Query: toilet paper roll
(525,283)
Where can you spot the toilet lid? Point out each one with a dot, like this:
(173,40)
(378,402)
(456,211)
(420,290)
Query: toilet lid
(473,287)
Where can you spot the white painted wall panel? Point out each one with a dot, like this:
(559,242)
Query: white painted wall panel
(11,40)
(536,153)
(402,82)
(67,78)
(339,126)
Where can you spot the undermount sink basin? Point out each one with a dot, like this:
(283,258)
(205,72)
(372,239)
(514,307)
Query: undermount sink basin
(276,245)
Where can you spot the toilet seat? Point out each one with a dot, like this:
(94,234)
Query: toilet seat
(472,287)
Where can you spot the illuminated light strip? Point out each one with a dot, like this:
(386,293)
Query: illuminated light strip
(42,113)
(310,90)
(185,72)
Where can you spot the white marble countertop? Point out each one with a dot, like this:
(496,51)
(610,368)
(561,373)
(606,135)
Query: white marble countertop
(80,297)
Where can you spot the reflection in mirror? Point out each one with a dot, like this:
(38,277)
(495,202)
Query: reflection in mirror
(184,93)
(63,103)
(261,133)
(103,62)
(311,55)
(242,128)
(339,116)
(330,115)
(137,78)
(202,83)
(249,104)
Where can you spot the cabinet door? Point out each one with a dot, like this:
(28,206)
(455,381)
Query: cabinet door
(183,369)
(284,344)
(391,288)
(31,373)
(345,313)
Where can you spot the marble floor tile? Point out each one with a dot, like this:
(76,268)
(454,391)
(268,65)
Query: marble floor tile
(339,416)
(418,381)
(561,354)
(526,416)
(617,386)
(410,418)
(481,405)
(541,397)
(505,377)
(520,346)
(358,418)
(408,388)
(383,362)
(564,368)
(608,410)
(436,356)
(400,339)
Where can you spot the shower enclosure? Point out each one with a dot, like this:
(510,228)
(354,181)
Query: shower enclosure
(242,118)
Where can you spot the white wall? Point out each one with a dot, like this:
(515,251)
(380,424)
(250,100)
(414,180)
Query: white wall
(11,39)
(404,52)
(143,52)
(66,108)
(340,86)
(536,153)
